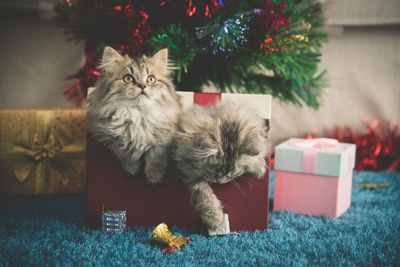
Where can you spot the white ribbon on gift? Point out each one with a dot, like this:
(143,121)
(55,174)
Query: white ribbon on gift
(310,148)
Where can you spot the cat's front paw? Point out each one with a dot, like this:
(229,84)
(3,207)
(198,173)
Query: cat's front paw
(261,171)
(258,170)
(154,176)
(212,219)
(131,167)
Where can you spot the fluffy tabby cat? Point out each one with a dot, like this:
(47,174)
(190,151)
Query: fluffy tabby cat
(216,144)
(134,111)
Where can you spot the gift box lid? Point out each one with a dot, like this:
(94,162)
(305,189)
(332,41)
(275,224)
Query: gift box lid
(260,102)
(321,156)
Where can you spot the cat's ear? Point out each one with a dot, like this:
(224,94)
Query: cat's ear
(161,57)
(110,56)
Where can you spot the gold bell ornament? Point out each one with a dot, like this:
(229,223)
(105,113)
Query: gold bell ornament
(162,236)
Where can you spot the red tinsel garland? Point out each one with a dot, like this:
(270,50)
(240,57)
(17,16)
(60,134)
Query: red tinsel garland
(86,76)
(271,15)
(129,39)
(378,148)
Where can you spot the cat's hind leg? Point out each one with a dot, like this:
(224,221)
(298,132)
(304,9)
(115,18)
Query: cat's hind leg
(156,163)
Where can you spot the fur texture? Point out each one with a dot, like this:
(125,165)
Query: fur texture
(134,111)
(216,144)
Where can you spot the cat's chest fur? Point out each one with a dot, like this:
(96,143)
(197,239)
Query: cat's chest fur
(139,128)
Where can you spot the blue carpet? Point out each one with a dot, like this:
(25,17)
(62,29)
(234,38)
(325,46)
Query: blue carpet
(50,230)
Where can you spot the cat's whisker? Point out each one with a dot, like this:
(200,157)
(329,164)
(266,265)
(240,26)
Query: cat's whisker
(245,178)
(236,183)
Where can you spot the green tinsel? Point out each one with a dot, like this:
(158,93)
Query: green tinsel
(181,47)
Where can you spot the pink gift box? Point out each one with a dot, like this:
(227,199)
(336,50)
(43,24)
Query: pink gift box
(313,176)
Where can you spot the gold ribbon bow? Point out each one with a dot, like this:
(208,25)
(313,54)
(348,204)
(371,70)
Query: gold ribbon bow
(48,153)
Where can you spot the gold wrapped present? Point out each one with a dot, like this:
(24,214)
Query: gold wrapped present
(42,151)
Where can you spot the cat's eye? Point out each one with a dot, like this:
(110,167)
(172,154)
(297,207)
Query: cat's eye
(128,78)
(249,150)
(151,79)
(252,151)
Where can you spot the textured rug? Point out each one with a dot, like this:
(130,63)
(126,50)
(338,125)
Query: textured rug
(50,230)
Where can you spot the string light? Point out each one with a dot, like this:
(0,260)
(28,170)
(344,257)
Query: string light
(226,37)
(68,2)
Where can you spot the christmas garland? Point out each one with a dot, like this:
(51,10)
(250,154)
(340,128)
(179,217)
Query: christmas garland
(378,147)
(251,46)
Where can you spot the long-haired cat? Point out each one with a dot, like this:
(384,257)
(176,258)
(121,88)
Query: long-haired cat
(134,111)
(216,144)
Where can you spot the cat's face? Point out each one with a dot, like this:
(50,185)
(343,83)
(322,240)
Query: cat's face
(229,151)
(141,82)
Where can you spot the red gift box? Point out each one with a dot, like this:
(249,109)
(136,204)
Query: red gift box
(245,200)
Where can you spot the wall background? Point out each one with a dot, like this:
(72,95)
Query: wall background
(362,57)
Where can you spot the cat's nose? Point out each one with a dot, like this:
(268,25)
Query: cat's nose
(141,86)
